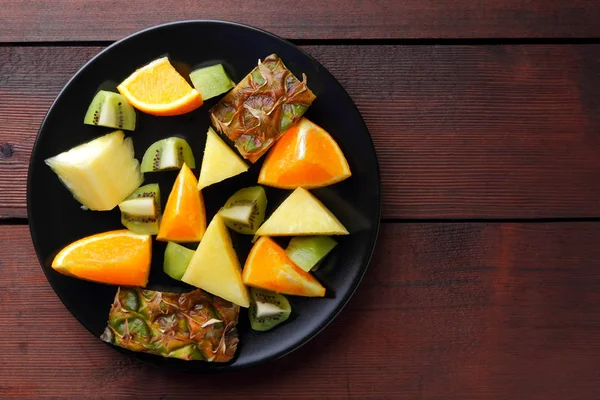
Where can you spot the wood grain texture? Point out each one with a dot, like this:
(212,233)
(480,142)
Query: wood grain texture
(39,20)
(460,131)
(446,311)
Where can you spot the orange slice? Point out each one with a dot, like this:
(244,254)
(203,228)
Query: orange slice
(184,218)
(118,257)
(158,89)
(305,156)
(268,267)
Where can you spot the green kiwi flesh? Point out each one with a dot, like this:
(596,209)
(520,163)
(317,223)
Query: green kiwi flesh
(211,81)
(245,210)
(138,213)
(177,258)
(111,110)
(308,251)
(168,154)
(267,309)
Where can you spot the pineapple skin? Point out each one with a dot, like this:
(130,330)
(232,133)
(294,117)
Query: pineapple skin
(261,107)
(188,326)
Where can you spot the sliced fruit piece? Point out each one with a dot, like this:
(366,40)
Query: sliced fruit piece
(101,173)
(189,326)
(184,219)
(307,251)
(215,266)
(245,210)
(111,110)
(301,214)
(168,154)
(219,161)
(158,89)
(141,212)
(267,309)
(211,81)
(118,257)
(306,156)
(177,258)
(268,267)
(142,206)
(261,107)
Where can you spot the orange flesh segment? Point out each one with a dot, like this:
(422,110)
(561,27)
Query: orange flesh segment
(305,156)
(184,218)
(115,257)
(268,267)
(158,89)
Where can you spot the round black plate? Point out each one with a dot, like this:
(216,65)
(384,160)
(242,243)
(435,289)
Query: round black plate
(56,219)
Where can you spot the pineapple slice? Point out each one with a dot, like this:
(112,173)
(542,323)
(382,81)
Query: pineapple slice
(301,214)
(219,161)
(215,267)
(101,173)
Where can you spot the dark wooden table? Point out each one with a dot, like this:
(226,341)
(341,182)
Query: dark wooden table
(486,278)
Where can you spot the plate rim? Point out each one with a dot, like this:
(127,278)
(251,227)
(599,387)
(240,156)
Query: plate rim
(343,302)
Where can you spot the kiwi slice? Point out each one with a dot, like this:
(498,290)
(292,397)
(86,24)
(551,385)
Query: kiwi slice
(177,258)
(245,210)
(168,154)
(267,309)
(211,81)
(308,251)
(140,212)
(112,110)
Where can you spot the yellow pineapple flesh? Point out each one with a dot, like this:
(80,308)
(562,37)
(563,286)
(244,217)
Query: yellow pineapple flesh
(215,267)
(301,213)
(101,173)
(219,162)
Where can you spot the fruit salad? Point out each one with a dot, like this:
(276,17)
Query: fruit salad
(266,112)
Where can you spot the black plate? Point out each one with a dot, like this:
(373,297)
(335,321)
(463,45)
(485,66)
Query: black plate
(56,219)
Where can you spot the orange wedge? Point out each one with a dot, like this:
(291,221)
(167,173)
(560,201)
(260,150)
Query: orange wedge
(118,257)
(184,218)
(158,89)
(305,156)
(268,267)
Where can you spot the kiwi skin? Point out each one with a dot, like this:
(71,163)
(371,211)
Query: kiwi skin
(264,296)
(176,260)
(253,196)
(147,225)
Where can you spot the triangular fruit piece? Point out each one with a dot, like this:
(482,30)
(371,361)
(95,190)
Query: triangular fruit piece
(215,267)
(219,162)
(301,214)
(184,219)
(306,156)
(268,267)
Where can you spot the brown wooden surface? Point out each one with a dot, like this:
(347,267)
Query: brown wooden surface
(40,20)
(446,311)
(469,130)
(460,131)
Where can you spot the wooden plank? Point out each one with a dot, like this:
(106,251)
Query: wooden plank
(39,20)
(460,131)
(477,311)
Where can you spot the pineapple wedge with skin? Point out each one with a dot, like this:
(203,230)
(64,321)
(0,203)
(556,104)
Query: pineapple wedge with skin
(188,326)
(301,213)
(101,173)
(215,267)
(219,161)
(261,107)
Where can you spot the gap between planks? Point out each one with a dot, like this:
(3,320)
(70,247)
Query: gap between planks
(356,42)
